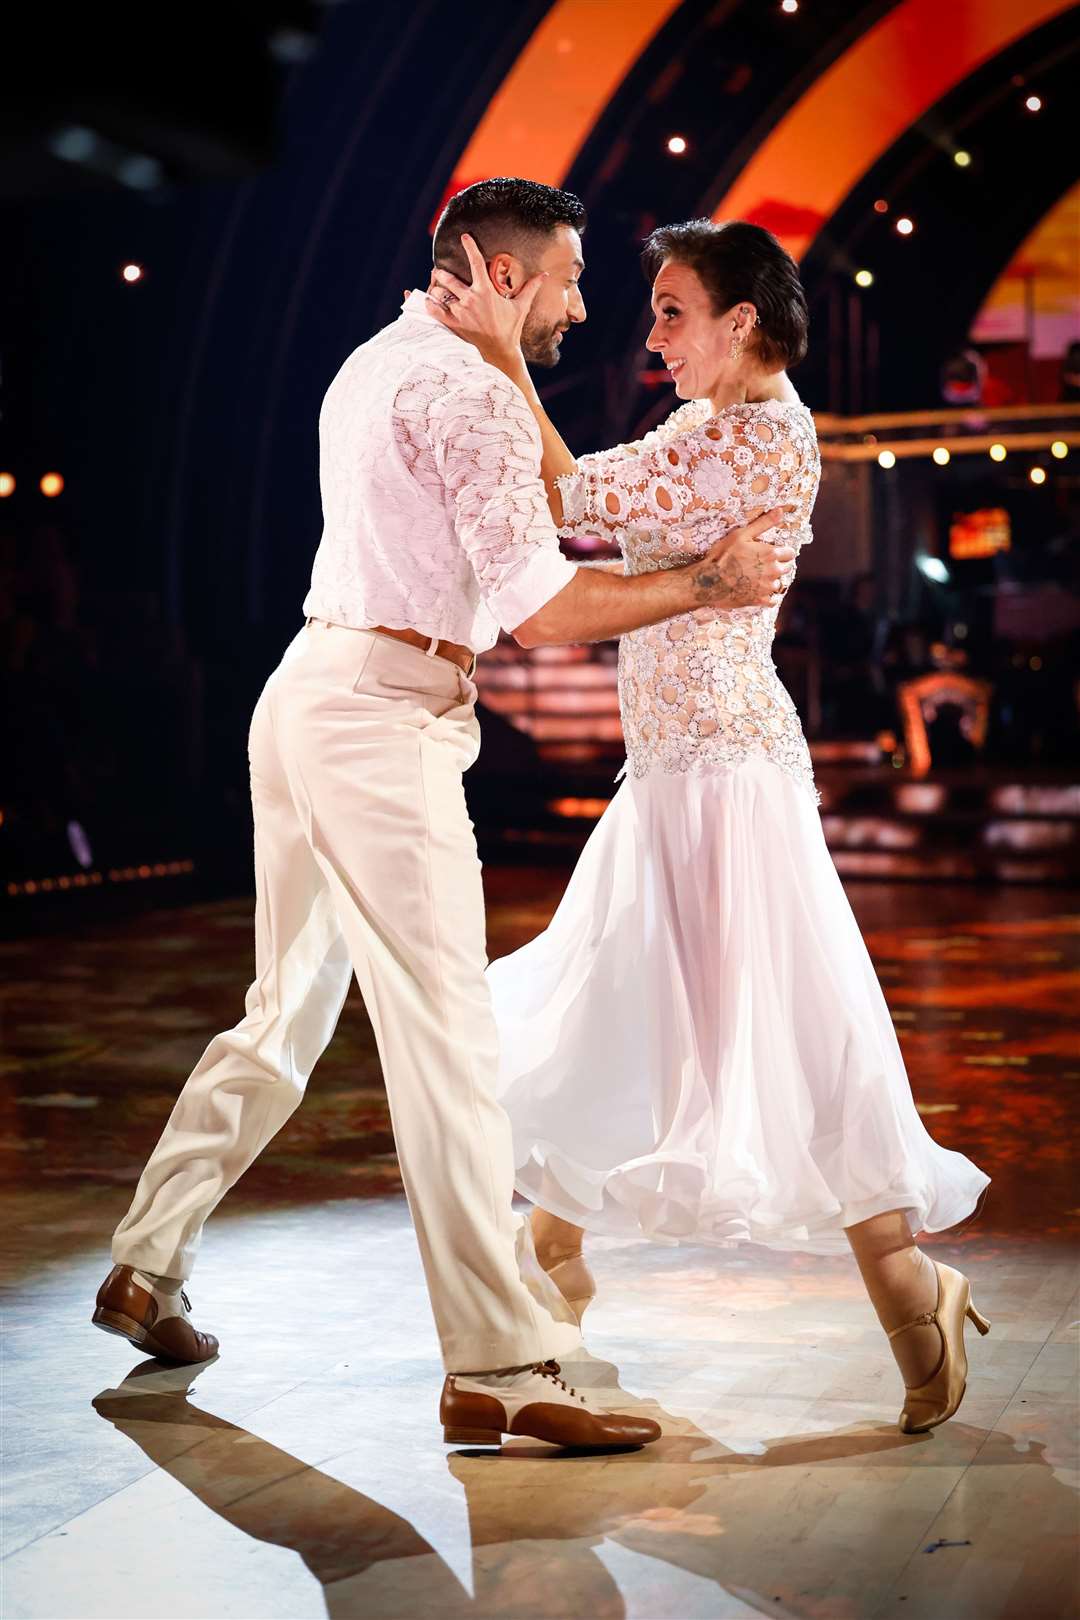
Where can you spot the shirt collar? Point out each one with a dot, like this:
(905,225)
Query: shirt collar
(416,304)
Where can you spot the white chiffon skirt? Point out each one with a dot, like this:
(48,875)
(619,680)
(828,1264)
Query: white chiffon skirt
(697,1048)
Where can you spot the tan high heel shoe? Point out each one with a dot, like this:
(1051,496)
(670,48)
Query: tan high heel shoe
(932,1403)
(575,1283)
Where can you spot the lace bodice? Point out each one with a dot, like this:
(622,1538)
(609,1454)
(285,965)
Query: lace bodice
(700,691)
(434,515)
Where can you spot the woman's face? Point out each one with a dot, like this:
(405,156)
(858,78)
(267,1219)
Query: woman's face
(695,342)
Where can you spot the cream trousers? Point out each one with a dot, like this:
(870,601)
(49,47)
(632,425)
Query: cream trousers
(365,862)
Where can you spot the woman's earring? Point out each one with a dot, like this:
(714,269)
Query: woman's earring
(737,344)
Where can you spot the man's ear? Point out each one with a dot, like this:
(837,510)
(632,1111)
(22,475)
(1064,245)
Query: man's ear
(504,271)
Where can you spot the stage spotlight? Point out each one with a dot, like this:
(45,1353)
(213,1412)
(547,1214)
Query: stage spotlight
(886,458)
(1037,475)
(881,206)
(904,225)
(1059,449)
(790,6)
(1033,103)
(51,484)
(864,278)
(941,456)
(962,160)
(677,145)
(998,452)
(7,484)
(132,272)
(933,568)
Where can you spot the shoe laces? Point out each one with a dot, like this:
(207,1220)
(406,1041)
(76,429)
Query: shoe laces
(552,1369)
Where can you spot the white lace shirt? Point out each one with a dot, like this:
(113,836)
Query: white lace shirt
(434,514)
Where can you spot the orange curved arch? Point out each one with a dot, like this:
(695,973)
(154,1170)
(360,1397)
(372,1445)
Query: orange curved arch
(581,52)
(1037,296)
(890,77)
(573,64)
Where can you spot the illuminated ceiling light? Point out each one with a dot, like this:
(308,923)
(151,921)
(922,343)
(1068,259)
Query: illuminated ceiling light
(941,456)
(132,272)
(962,160)
(998,452)
(790,6)
(1059,449)
(933,568)
(886,458)
(1037,475)
(1033,103)
(51,484)
(881,206)
(904,225)
(7,484)
(677,145)
(864,278)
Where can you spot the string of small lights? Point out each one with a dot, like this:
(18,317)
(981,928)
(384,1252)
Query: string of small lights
(888,453)
(91,880)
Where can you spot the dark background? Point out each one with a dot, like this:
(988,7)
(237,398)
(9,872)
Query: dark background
(301,154)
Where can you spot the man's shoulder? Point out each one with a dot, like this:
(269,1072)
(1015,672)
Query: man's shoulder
(417,370)
(407,345)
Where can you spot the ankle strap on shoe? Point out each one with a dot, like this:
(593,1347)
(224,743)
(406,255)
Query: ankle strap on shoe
(924,1320)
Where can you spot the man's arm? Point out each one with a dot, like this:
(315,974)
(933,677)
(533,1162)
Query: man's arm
(739,571)
(486,446)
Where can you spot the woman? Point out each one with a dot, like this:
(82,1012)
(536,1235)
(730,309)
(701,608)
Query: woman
(697,1048)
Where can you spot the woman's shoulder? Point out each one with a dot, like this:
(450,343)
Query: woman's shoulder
(789,416)
(698,414)
(777,408)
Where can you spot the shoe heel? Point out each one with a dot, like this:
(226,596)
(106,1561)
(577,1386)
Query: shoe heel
(454,1436)
(979,1320)
(117,1322)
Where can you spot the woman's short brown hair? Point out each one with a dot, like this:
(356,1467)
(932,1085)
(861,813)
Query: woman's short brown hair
(738,261)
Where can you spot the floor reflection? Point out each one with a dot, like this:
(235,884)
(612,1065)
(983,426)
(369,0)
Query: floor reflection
(686,1501)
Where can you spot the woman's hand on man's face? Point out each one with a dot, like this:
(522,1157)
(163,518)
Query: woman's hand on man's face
(492,321)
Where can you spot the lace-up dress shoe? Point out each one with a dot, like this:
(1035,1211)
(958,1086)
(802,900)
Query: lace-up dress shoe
(478,1411)
(151,1319)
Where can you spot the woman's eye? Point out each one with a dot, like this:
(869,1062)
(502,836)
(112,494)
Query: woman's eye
(671,313)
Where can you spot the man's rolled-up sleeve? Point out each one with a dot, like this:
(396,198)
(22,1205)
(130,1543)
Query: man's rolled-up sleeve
(487,449)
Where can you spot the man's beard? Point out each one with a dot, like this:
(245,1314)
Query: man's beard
(538,343)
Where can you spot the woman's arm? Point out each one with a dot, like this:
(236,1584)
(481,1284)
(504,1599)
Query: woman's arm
(555,459)
(493,325)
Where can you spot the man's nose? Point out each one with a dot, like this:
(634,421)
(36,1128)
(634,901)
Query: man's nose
(576,307)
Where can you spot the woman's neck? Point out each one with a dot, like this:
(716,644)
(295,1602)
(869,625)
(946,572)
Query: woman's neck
(752,388)
(744,387)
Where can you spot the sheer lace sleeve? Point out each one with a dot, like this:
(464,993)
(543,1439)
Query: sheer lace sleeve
(744,459)
(487,451)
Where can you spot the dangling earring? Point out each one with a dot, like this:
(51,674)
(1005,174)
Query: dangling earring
(737,344)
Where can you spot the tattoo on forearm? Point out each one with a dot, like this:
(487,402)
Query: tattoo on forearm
(726,581)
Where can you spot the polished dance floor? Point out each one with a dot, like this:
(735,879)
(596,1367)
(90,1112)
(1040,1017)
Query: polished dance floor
(303,1474)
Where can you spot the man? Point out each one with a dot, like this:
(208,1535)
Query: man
(436,534)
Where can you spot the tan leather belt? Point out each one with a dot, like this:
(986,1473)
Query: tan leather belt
(463,657)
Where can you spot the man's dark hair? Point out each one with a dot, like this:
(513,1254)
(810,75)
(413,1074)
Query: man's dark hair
(738,261)
(504,216)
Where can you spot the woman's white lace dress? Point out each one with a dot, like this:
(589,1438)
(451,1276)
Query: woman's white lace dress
(697,1047)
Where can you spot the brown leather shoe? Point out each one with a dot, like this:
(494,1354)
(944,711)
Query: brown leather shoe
(152,1321)
(539,1403)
